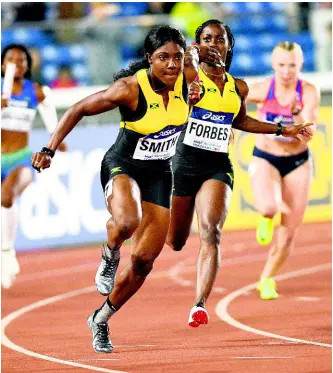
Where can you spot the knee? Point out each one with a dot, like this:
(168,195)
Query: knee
(7,200)
(175,244)
(142,264)
(124,226)
(210,234)
(268,211)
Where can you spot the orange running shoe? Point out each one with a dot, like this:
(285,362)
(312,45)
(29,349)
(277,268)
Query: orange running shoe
(198,315)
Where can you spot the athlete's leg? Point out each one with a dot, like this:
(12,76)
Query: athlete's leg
(13,185)
(123,199)
(181,220)
(295,194)
(266,189)
(212,205)
(147,243)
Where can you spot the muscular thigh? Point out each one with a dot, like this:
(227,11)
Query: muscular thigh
(150,236)
(266,184)
(212,203)
(295,194)
(125,197)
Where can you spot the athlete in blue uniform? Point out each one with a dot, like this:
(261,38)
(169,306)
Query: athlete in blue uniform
(18,111)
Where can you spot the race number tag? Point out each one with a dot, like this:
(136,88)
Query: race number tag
(209,130)
(17,118)
(160,145)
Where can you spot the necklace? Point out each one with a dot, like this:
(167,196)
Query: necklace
(207,73)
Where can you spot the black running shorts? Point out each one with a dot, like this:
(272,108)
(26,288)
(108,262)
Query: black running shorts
(153,177)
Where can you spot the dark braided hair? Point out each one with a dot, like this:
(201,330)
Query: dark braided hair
(22,48)
(157,37)
(230,36)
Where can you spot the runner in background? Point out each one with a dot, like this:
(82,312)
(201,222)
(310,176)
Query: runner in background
(280,170)
(20,97)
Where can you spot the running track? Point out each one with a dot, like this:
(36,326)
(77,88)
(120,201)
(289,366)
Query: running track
(44,315)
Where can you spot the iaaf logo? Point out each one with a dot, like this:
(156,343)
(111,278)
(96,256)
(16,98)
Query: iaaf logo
(212,116)
(166,133)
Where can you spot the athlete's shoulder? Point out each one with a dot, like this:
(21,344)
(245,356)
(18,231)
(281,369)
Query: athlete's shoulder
(242,87)
(258,90)
(39,91)
(125,88)
(310,89)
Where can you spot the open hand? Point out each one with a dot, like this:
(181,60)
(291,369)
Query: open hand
(301,132)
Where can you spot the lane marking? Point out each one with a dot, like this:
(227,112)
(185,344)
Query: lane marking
(263,357)
(308,299)
(222,306)
(188,265)
(14,315)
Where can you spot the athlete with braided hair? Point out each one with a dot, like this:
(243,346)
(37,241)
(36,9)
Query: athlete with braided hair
(203,173)
(20,98)
(136,173)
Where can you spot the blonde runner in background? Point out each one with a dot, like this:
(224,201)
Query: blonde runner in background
(280,170)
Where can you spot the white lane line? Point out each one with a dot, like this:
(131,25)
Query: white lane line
(9,318)
(263,357)
(188,265)
(222,306)
(308,299)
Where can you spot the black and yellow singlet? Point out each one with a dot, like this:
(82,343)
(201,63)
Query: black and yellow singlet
(208,130)
(152,131)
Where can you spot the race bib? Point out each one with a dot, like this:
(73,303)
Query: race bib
(283,119)
(210,132)
(159,145)
(17,118)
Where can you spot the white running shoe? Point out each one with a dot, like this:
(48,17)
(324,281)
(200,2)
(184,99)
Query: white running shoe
(9,268)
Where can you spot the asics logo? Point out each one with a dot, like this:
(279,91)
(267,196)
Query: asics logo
(166,133)
(213,116)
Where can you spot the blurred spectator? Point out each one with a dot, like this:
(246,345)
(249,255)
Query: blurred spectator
(65,79)
(30,12)
(155,7)
(188,16)
(304,12)
(320,21)
(103,41)
(36,66)
(72,10)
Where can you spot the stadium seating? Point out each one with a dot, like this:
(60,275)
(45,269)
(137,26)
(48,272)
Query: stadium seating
(257,27)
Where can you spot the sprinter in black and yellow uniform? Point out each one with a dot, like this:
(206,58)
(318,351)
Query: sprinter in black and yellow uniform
(136,172)
(203,174)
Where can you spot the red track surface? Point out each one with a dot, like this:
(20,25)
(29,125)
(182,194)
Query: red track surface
(150,333)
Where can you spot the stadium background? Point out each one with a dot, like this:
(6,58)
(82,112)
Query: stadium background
(91,41)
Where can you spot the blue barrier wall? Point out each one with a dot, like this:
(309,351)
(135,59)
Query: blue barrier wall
(65,204)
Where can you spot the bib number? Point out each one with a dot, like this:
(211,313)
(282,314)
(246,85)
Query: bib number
(207,135)
(158,146)
(17,119)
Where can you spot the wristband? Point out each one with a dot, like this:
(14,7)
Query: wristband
(279,129)
(47,151)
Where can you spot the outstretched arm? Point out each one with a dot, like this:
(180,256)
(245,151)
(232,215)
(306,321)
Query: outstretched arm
(123,92)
